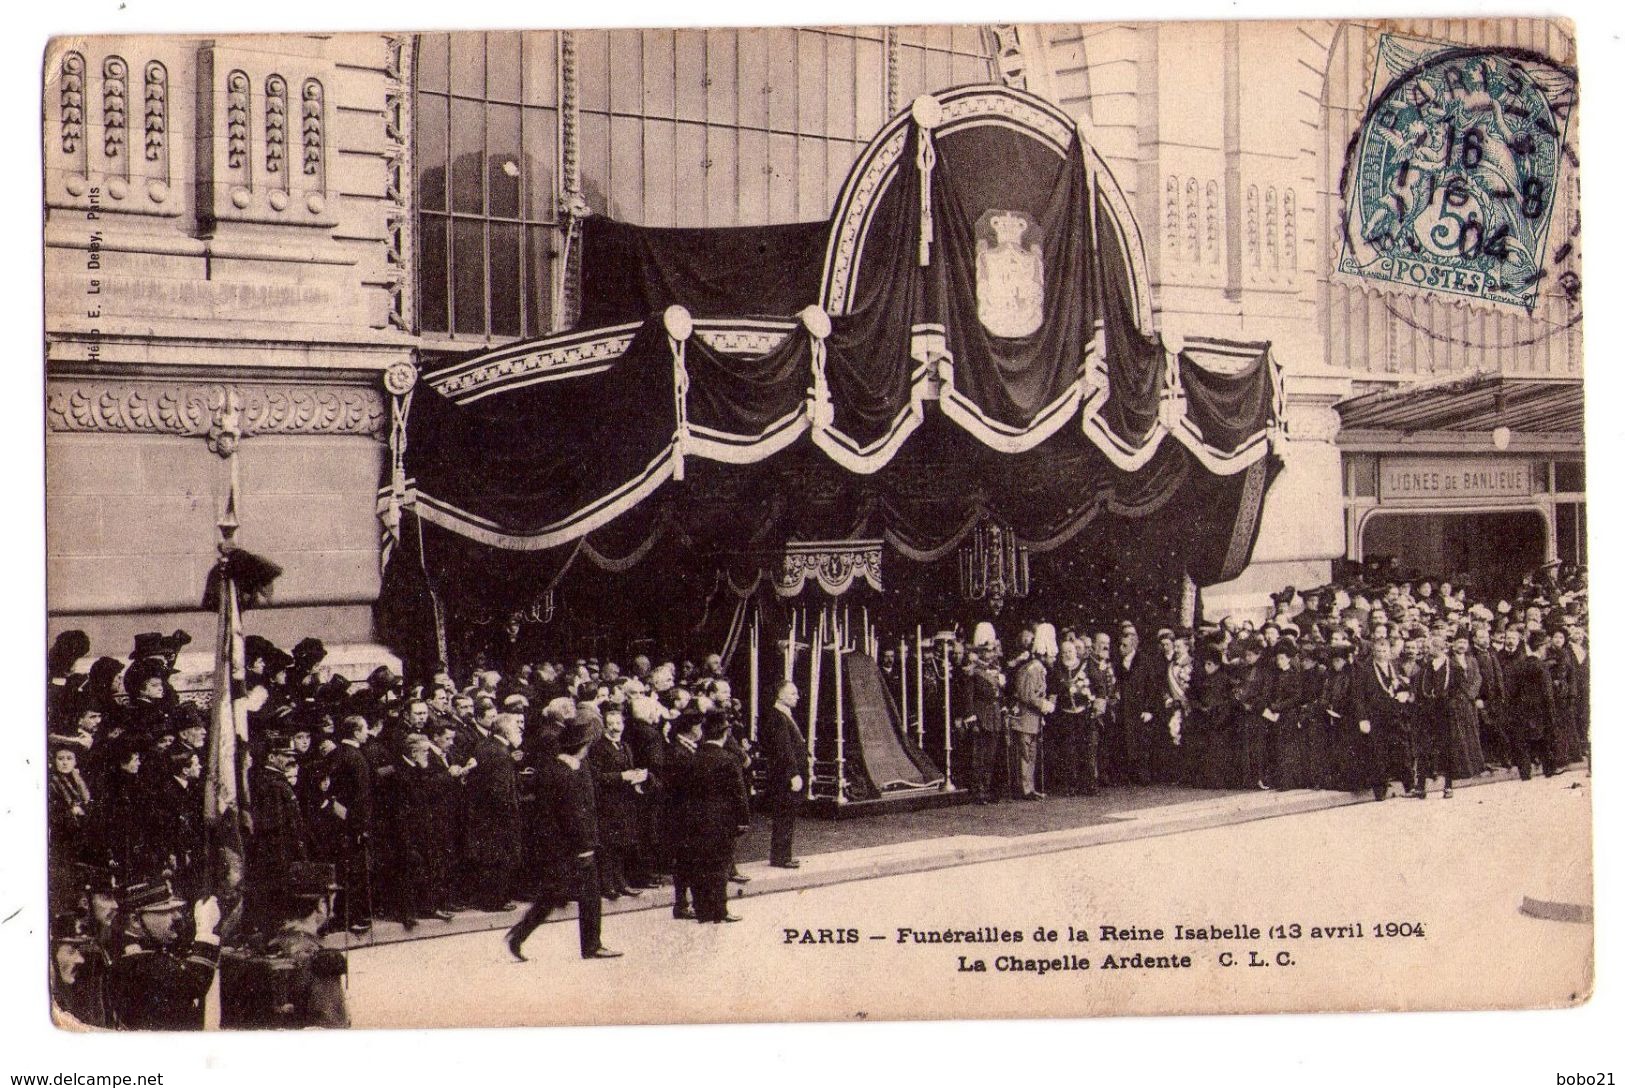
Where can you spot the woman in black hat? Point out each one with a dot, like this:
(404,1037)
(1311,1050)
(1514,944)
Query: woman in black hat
(1292,750)
(1441,745)
(1566,744)
(1209,736)
(102,688)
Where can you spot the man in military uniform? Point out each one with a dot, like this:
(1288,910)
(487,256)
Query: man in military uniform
(986,680)
(278,840)
(159,981)
(1105,705)
(1032,703)
(293,981)
(78,997)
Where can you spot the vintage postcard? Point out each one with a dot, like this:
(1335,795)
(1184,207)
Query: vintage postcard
(815,523)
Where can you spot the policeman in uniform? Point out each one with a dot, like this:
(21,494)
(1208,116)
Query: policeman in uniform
(292,981)
(159,980)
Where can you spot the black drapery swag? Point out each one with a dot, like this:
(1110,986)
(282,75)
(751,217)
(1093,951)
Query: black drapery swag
(703,444)
(1012,378)
(629,272)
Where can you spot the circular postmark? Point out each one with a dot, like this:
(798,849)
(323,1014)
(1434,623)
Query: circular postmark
(1453,181)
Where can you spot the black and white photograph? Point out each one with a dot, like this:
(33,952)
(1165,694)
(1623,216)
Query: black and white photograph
(734,524)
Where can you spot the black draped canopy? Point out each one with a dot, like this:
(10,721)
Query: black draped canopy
(967,338)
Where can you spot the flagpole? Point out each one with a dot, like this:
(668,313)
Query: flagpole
(222,746)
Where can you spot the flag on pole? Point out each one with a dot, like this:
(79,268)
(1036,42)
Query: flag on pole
(223,794)
(239,579)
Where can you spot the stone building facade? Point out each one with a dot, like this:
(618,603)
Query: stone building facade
(243,235)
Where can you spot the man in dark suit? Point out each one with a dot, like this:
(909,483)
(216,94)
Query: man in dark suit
(176,834)
(679,809)
(1531,708)
(567,828)
(405,811)
(617,786)
(349,793)
(493,844)
(719,812)
(785,751)
(1382,748)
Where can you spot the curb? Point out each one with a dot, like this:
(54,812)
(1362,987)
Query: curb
(927,855)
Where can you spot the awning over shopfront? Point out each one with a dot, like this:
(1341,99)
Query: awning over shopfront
(738,396)
(1548,411)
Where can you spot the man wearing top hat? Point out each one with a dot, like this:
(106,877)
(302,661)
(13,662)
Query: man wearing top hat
(158,981)
(567,845)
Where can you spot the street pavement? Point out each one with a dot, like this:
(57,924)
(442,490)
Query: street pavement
(1401,905)
(885,844)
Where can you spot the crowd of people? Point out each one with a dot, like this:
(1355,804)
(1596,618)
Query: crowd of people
(550,784)
(1354,687)
(553,783)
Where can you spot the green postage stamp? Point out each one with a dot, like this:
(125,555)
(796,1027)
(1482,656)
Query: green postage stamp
(1454,181)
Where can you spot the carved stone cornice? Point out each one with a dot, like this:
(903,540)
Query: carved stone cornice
(202,410)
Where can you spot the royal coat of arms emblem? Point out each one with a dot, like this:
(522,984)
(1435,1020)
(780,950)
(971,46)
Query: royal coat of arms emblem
(1009,274)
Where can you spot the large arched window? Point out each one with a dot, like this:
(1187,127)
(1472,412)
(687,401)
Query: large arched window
(688,128)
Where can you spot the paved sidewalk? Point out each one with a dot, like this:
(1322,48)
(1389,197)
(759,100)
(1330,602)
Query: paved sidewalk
(837,851)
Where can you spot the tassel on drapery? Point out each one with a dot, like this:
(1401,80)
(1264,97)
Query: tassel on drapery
(1171,409)
(820,411)
(927,114)
(399,381)
(679,327)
